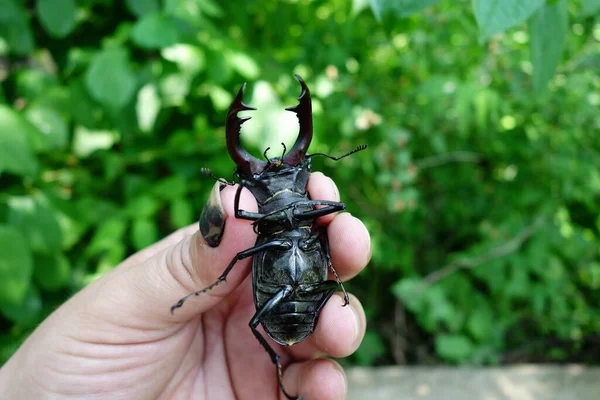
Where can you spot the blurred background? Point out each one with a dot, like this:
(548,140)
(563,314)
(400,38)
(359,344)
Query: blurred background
(480,187)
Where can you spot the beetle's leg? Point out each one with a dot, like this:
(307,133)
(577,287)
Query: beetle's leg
(331,207)
(269,305)
(275,244)
(325,243)
(243,214)
(325,286)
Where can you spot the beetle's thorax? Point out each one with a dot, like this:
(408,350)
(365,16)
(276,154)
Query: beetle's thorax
(278,181)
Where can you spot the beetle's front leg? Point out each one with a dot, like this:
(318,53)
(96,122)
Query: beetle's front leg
(260,314)
(331,207)
(243,214)
(274,244)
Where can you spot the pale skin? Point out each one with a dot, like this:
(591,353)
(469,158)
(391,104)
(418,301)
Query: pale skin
(116,339)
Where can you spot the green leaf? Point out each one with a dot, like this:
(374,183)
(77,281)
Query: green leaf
(171,188)
(52,272)
(481,322)
(110,79)
(53,129)
(28,312)
(182,213)
(15,151)
(108,234)
(16,266)
(410,291)
(494,16)
(370,348)
(547,45)
(143,233)
(37,223)
(590,7)
(400,8)
(83,108)
(143,206)
(57,16)
(454,347)
(142,7)
(155,31)
(15,27)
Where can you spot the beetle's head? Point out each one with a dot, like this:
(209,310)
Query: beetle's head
(249,166)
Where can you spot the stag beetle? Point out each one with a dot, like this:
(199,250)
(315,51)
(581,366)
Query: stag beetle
(291,256)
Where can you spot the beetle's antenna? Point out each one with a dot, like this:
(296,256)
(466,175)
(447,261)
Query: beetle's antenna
(265,154)
(284,150)
(209,173)
(356,150)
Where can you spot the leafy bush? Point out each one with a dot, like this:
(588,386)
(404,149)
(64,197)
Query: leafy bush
(481,187)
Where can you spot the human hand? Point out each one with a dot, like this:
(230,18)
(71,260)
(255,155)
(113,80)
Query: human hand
(117,339)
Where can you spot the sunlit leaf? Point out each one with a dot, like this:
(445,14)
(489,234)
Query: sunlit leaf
(147,107)
(86,141)
(547,45)
(494,16)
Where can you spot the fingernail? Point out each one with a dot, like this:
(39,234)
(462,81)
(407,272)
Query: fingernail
(357,322)
(213,216)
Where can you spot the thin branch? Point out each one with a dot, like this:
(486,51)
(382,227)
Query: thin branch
(498,252)
(447,158)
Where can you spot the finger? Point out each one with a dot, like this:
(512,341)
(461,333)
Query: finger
(315,379)
(322,187)
(339,331)
(349,244)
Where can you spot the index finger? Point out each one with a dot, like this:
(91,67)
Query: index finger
(349,239)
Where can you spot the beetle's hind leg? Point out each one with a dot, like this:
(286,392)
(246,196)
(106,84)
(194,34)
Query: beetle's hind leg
(275,358)
(325,244)
(275,244)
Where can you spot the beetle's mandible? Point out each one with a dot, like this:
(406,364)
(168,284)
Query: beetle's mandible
(291,256)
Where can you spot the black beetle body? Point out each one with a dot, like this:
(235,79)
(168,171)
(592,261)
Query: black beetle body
(291,257)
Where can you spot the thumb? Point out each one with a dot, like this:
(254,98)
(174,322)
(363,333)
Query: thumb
(146,285)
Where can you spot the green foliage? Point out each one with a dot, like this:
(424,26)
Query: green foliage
(480,187)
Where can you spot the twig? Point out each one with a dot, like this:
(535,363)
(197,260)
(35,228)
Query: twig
(467,263)
(446,158)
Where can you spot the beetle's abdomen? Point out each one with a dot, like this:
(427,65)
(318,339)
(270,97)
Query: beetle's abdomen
(291,321)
